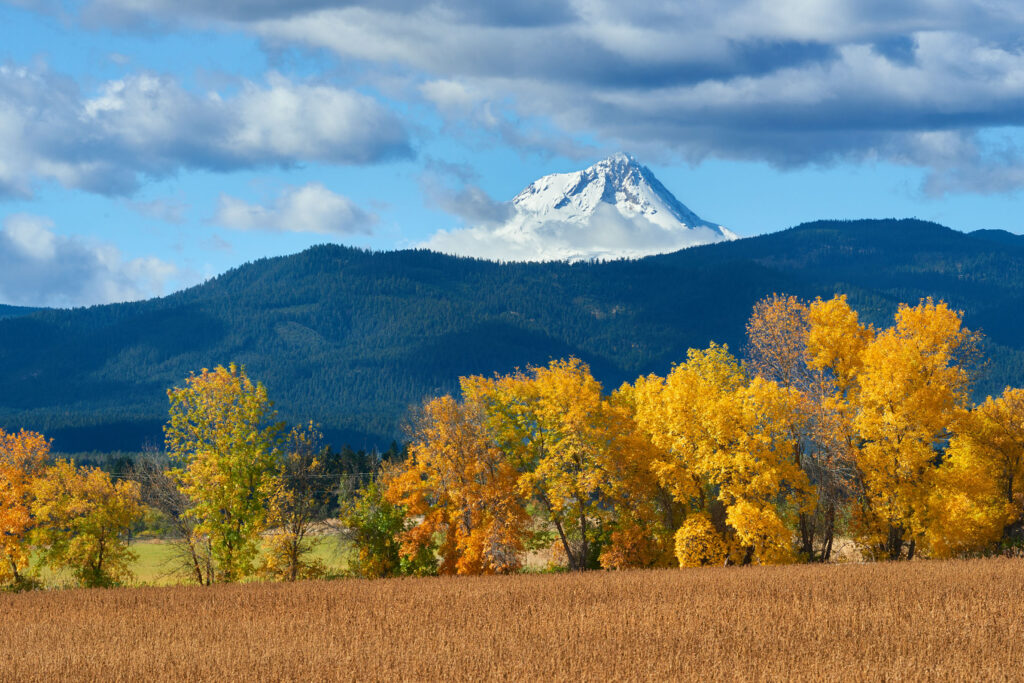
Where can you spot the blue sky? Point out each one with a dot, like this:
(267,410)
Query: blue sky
(148,144)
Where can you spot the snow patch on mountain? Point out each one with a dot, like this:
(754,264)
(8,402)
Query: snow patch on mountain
(613,209)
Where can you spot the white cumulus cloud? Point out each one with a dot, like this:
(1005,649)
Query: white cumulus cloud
(311,208)
(149,125)
(606,235)
(39,267)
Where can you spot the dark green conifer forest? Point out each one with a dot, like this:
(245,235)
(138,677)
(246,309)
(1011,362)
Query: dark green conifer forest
(352,338)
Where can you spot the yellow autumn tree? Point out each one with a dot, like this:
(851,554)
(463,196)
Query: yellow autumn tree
(222,436)
(979,495)
(82,518)
(996,430)
(779,341)
(730,454)
(912,386)
(644,515)
(576,451)
(22,457)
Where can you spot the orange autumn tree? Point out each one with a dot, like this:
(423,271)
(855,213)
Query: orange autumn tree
(22,458)
(582,463)
(459,485)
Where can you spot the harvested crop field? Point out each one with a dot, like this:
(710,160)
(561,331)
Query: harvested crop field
(901,621)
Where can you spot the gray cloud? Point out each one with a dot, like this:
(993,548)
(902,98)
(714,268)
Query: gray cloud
(790,82)
(156,13)
(310,208)
(149,125)
(41,268)
(165,210)
(466,200)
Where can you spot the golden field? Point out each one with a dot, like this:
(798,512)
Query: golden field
(954,620)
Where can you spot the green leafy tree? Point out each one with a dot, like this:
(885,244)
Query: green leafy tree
(374,526)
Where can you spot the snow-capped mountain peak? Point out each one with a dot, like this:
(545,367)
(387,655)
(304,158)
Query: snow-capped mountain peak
(615,208)
(618,180)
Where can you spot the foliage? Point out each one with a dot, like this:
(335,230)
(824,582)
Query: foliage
(729,451)
(780,337)
(546,440)
(462,487)
(979,495)
(222,436)
(22,457)
(698,543)
(828,423)
(300,500)
(82,516)
(375,527)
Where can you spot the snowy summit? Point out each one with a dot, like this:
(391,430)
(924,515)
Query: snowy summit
(613,209)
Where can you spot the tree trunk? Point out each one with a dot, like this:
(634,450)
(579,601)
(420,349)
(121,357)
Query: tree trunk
(585,544)
(894,544)
(197,567)
(828,533)
(807,535)
(565,543)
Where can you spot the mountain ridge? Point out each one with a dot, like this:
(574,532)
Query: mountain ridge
(351,338)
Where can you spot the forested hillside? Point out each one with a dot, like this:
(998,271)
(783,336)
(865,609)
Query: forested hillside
(352,338)
(14,311)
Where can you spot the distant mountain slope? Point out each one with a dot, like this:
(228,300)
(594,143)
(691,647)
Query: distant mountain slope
(1003,236)
(352,338)
(7,311)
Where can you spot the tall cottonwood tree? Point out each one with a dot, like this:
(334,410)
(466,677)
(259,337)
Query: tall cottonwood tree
(730,457)
(222,436)
(902,389)
(912,387)
(778,334)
